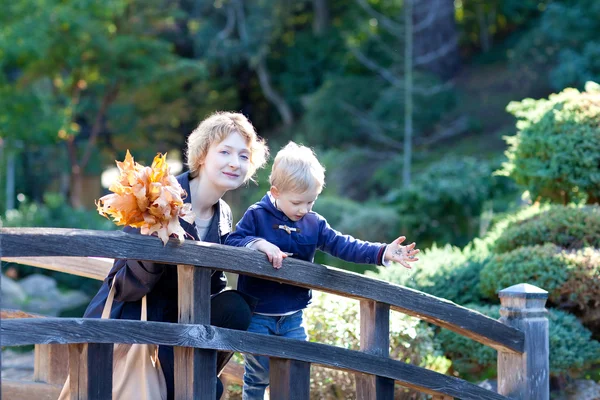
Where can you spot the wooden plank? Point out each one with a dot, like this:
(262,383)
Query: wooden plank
(90,371)
(289,379)
(27,390)
(18,332)
(19,242)
(195,369)
(88,267)
(374,339)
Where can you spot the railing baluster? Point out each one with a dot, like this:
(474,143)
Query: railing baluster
(90,371)
(51,363)
(195,369)
(525,376)
(374,339)
(289,379)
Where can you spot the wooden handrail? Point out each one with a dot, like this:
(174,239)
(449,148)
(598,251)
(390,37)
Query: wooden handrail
(17,332)
(52,242)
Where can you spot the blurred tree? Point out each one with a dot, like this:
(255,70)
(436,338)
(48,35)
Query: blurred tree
(67,63)
(565,38)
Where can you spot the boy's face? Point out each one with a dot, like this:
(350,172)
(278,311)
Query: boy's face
(295,205)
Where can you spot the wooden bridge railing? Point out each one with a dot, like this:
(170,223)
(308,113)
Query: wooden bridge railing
(521,336)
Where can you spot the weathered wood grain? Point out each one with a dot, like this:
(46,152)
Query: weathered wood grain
(26,390)
(24,242)
(525,376)
(195,369)
(51,363)
(289,379)
(50,360)
(374,339)
(90,371)
(18,332)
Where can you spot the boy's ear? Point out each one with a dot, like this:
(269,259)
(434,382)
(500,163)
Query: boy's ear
(274,192)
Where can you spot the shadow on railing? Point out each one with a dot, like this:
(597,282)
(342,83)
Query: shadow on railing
(521,335)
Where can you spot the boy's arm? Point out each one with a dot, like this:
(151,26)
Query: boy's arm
(245,231)
(347,247)
(359,251)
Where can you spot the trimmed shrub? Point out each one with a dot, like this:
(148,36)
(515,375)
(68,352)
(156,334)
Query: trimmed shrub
(543,266)
(556,152)
(571,346)
(572,278)
(567,227)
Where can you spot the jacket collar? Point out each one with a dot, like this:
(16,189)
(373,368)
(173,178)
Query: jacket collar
(222,210)
(268,203)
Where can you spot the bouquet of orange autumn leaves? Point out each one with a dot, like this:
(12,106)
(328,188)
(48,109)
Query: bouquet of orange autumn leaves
(148,198)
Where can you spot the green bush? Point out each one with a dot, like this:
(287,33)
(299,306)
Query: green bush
(567,227)
(447,272)
(444,203)
(571,346)
(335,321)
(543,266)
(572,278)
(556,150)
(55,213)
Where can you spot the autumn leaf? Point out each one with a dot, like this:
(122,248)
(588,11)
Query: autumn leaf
(148,198)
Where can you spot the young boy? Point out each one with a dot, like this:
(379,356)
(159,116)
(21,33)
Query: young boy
(283,224)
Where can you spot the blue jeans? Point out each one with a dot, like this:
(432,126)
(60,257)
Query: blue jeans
(256,368)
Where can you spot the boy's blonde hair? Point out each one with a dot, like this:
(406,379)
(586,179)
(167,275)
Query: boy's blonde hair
(297,169)
(217,128)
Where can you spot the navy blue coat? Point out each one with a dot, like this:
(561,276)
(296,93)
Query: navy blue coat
(263,221)
(135,279)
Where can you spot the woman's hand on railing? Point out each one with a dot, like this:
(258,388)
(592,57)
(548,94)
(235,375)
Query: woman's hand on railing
(401,254)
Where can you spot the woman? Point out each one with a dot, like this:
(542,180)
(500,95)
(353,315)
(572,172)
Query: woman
(223,152)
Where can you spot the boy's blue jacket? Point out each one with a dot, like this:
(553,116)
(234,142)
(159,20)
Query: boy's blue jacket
(262,221)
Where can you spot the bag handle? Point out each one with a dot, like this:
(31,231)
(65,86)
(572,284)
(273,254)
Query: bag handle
(109,302)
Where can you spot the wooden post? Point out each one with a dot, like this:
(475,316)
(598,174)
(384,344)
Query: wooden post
(525,376)
(289,379)
(51,363)
(90,371)
(195,369)
(374,339)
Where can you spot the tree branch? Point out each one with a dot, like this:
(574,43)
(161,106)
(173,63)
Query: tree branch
(440,52)
(371,127)
(373,66)
(392,26)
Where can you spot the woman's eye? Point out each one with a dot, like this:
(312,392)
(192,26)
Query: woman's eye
(244,157)
(224,152)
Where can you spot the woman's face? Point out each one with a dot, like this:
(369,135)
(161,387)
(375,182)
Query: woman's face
(227,162)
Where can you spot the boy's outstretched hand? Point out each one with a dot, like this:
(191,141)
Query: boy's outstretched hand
(401,254)
(274,254)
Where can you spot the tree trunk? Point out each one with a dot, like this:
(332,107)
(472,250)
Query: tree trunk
(321,17)
(408,91)
(436,37)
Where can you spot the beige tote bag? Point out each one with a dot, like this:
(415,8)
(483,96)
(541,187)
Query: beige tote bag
(137,373)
